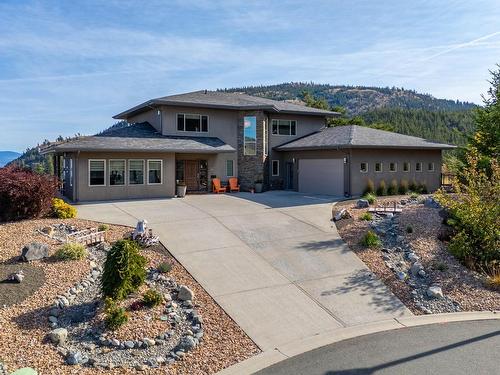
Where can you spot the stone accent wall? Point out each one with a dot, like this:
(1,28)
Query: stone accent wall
(251,167)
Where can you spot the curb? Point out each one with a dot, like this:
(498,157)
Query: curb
(291,349)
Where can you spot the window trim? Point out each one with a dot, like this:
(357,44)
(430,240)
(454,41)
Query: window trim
(409,166)
(421,166)
(381,167)
(284,135)
(191,114)
(367,167)
(143,174)
(395,167)
(88,174)
(161,170)
(277,168)
(433,167)
(125,171)
(232,167)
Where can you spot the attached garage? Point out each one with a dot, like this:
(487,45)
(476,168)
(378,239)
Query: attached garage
(321,176)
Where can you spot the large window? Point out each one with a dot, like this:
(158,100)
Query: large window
(229,168)
(192,123)
(154,172)
(136,172)
(275,168)
(250,135)
(284,127)
(97,172)
(117,172)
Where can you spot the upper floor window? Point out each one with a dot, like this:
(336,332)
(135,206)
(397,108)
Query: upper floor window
(250,135)
(192,123)
(284,127)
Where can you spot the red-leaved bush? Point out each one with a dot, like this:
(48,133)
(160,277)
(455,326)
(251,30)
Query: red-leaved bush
(25,194)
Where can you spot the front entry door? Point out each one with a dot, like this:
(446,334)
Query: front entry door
(191,174)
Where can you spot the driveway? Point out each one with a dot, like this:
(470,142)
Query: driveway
(273,261)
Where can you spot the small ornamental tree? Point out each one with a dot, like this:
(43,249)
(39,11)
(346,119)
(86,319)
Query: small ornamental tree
(124,270)
(25,194)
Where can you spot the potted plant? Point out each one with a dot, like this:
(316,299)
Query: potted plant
(259,184)
(181,189)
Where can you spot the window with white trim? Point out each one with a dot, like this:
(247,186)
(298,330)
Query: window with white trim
(192,123)
(154,172)
(418,167)
(378,167)
(363,167)
(406,166)
(430,167)
(393,167)
(116,172)
(229,168)
(136,172)
(275,168)
(97,172)
(284,127)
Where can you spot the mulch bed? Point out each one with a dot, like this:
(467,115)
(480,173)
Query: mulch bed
(457,281)
(24,321)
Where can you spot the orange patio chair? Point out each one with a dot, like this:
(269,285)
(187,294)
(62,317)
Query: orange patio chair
(217,187)
(233,184)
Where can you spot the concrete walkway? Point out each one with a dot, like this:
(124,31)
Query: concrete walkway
(273,261)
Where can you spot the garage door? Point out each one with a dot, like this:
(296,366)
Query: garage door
(321,176)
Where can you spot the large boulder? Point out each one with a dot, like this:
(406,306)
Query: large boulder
(430,202)
(435,292)
(58,336)
(34,251)
(185,294)
(362,203)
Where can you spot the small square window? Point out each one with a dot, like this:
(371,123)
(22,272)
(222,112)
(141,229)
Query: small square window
(418,167)
(229,168)
(406,166)
(393,167)
(363,167)
(378,167)
(275,168)
(430,167)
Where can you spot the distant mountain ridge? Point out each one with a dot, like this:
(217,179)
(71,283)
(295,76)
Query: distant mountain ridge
(356,99)
(8,156)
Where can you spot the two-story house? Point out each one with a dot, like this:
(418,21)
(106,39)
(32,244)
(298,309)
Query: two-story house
(197,136)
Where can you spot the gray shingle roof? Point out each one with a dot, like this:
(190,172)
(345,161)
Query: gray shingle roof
(353,136)
(225,100)
(142,137)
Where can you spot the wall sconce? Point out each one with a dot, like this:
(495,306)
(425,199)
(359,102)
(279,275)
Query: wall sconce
(345,160)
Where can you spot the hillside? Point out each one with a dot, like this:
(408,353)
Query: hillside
(7,156)
(356,99)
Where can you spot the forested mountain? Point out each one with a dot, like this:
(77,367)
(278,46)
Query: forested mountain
(7,156)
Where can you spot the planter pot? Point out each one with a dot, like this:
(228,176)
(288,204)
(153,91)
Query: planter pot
(258,187)
(181,191)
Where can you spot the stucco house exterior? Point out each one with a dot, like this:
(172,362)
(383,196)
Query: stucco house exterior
(198,136)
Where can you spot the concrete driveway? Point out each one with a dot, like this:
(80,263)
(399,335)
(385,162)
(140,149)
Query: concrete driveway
(273,261)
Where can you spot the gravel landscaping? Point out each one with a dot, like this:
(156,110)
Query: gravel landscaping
(189,332)
(412,261)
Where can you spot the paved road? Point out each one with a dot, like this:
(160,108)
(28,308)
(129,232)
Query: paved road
(273,261)
(449,348)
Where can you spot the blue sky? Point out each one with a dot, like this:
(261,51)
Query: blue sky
(69,66)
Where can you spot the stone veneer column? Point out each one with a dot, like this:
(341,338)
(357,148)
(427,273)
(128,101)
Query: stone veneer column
(251,167)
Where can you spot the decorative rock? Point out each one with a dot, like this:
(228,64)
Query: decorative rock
(401,275)
(430,202)
(58,336)
(52,319)
(421,273)
(115,342)
(186,343)
(185,293)
(415,268)
(362,203)
(140,367)
(129,344)
(148,342)
(435,292)
(339,215)
(74,358)
(412,257)
(34,251)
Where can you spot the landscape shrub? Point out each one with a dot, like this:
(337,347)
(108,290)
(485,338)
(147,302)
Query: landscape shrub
(422,188)
(493,278)
(414,195)
(370,187)
(71,251)
(393,188)
(413,186)
(114,316)
(382,189)
(103,227)
(475,209)
(403,187)
(164,267)
(124,270)
(62,210)
(370,239)
(366,216)
(151,298)
(440,266)
(25,194)
(370,197)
